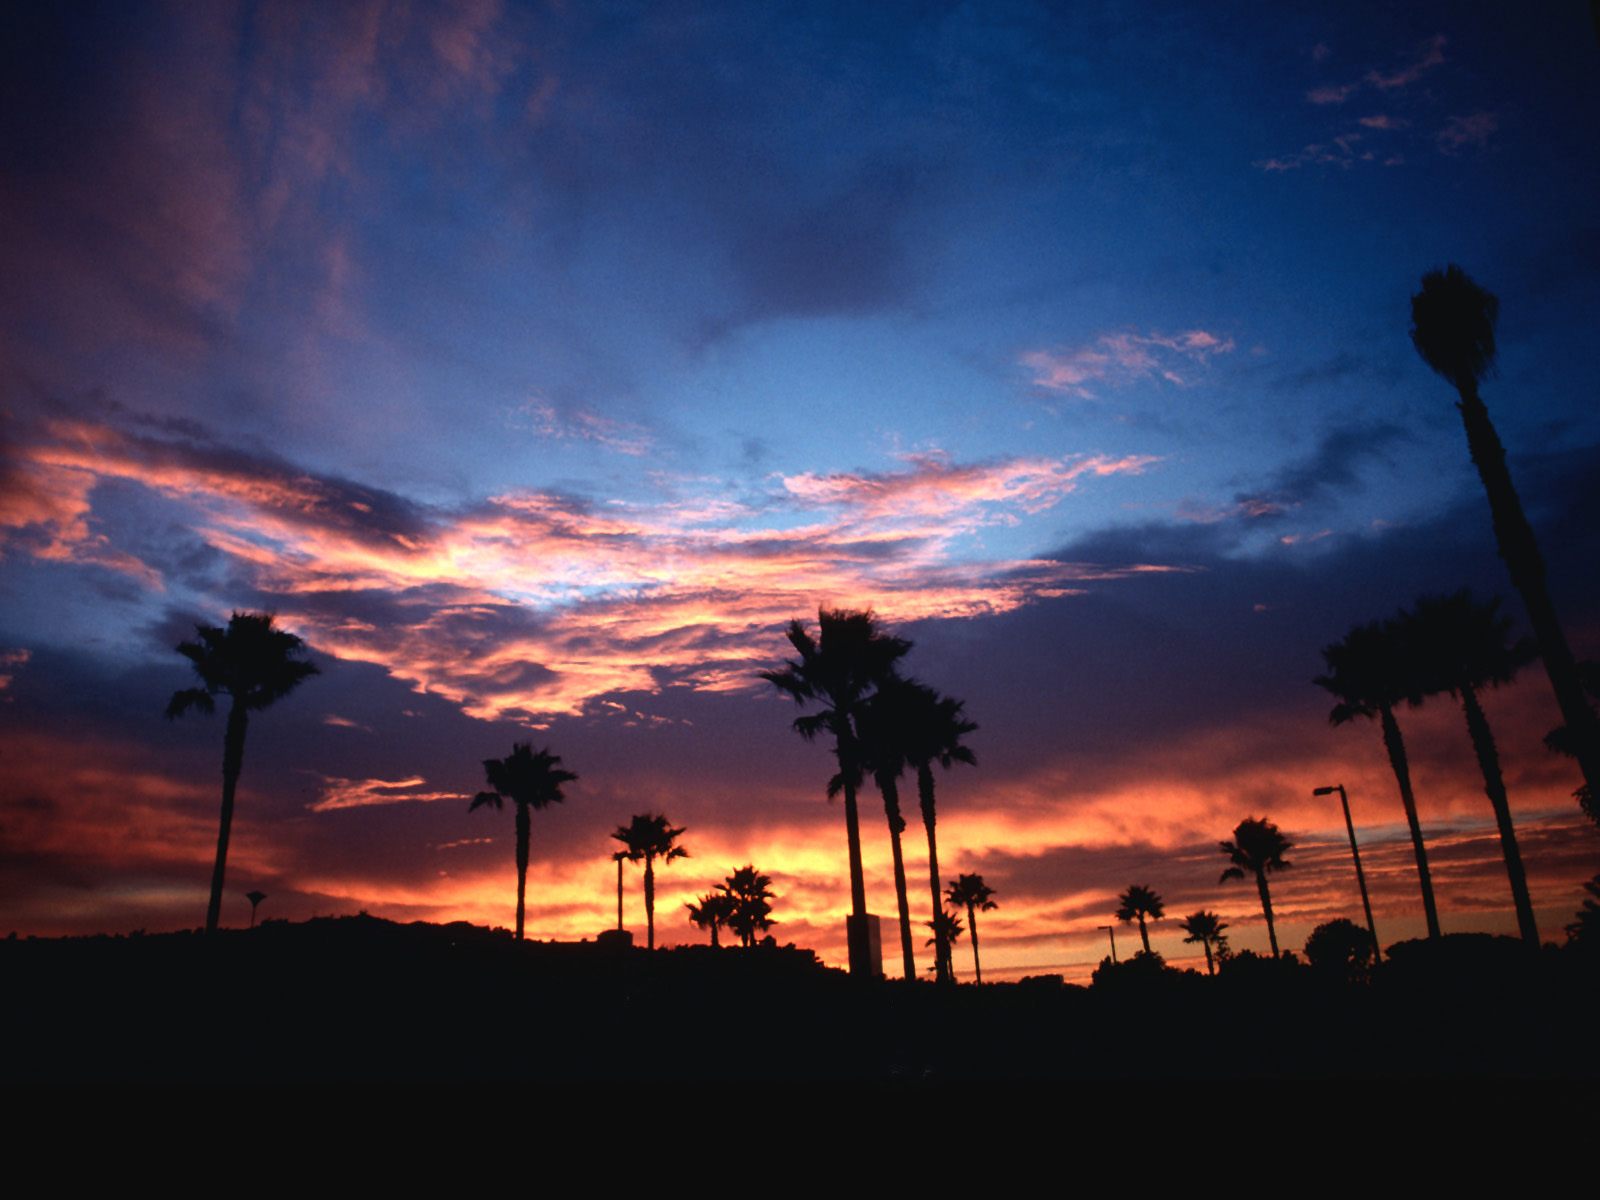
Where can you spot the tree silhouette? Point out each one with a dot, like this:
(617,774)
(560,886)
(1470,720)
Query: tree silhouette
(529,781)
(1206,928)
(935,725)
(1452,327)
(1257,848)
(749,895)
(646,838)
(713,911)
(947,930)
(1341,948)
(1370,672)
(1462,646)
(253,663)
(971,893)
(1561,740)
(1585,928)
(839,670)
(1137,903)
(255,898)
(883,730)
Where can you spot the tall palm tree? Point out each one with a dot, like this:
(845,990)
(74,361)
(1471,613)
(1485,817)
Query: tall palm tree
(971,893)
(253,663)
(529,781)
(935,725)
(749,896)
(947,932)
(1462,646)
(714,910)
(1139,902)
(1452,327)
(1206,928)
(1371,671)
(649,837)
(839,670)
(884,730)
(1257,849)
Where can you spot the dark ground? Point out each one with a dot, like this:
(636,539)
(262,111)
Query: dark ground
(360,999)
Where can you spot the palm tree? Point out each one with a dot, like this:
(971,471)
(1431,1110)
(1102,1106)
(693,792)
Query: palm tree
(970,892)
(649,837)
(255,898)
(253,663)
(1206,928)
(749,896)
(1370,672)
(620,857)
(1139,902)
(1560,740)
(1462,646)
(713,912)
(529,781)
(1452,327)
(883,730)
(1257,849)
(839,671)
(934,725)
(947,932)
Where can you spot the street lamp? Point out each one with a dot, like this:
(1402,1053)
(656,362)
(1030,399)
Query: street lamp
(1112,930)
(1361,877)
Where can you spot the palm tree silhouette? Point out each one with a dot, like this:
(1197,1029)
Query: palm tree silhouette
(1561,741)
(255,898)
(529,781)
(1206,928)
(1370,672)
(1139,902)
(883,730)
(934,726)
(1462,646)
(749,895)
(971,893)
(620,857)
(1452,327)
(947,931)
(1257,849)
(253,663)
(649,837)
(714,910)
(839,670)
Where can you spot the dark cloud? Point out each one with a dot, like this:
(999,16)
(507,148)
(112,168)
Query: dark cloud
(1331,467)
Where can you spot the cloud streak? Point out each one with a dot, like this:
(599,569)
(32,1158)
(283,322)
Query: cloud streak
(1121,359)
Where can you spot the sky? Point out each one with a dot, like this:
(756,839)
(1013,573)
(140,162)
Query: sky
(538,363)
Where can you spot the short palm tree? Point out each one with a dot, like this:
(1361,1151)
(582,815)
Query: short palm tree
(1452,327)
(1462,646)
(1138,903)
(749,896)
(253,663)
(838,670)
(1206,928)
(1370,672)
(529,781)
(714,910)
(646,838)
(255,898)
(971,893)
(934,726)
(947,931)
(1257,849)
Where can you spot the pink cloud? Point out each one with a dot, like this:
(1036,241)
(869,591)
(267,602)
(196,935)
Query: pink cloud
(1331,94)
(1461,132)
(1429,55)
(1123,358)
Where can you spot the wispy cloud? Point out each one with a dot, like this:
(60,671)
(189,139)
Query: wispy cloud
(1123,358)
(584,425)
(1429,55)
(1460,133)
(364,793)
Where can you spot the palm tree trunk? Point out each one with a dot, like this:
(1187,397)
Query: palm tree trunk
(1210,970)
(972,924)
(1144,934)
(891,808)
(1520,550)
(232,763)
(619,895)
(650,902)
(1494,785)
(1396,746)
(1266,907)
(857,928)
(523,832)
(941,948)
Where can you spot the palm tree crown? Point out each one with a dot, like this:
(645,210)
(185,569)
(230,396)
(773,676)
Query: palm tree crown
(839,670)
(1452,326)
(253,663)
(529,781)
(971,893)
(1137,904)
(714,910)
(1258,849)
(648,837)
(1206,928)
(749,896)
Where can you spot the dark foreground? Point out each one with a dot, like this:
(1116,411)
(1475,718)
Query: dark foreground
(360,999)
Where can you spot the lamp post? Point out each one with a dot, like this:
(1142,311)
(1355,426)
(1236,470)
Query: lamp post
(1112,930)
(1361,878)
